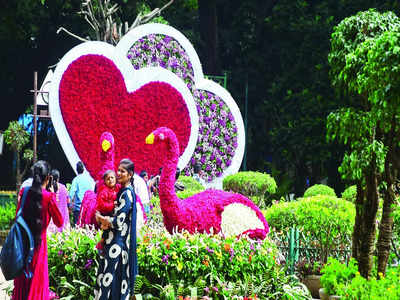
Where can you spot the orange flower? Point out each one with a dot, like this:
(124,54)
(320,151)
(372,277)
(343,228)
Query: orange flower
(250,257)
(180,297)
(167,243)
(146,239)
(227,247)
(205,262)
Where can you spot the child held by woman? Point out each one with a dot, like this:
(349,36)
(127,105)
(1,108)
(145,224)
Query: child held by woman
(106,195)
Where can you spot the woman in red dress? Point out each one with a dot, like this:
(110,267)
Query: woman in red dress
(39,208)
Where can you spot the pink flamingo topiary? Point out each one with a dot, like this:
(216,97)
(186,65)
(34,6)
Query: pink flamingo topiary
(210,211)
(88,206)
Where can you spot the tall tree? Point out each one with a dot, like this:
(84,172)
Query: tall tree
(364,61)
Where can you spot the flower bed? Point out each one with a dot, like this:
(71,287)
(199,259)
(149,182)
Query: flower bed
(73,260)
(173,264)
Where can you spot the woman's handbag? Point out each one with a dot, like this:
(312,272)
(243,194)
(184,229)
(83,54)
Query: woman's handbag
(17,252)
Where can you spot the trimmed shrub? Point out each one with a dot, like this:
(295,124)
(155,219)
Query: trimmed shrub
(328,221)
(255,185)
(282,216)
(350,193)
(190,183)
(7,215)
(319,189)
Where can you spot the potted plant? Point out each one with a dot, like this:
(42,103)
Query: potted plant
(309,271)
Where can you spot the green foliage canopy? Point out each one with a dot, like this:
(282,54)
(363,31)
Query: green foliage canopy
(363,62)
(16,136)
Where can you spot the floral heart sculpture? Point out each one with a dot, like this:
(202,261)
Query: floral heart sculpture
(221,139)
(94,89)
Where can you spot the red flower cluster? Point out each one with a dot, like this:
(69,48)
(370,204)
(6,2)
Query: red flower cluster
(93,99)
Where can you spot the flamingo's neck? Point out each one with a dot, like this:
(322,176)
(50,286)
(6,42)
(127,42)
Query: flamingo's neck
(168,199)
(107,163)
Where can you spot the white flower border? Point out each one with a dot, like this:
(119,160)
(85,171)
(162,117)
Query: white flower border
(201,83)
(134,79)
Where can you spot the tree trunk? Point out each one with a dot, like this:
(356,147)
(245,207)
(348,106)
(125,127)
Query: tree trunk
(385,230)
(386,224)
(367,234)
(360,197)
(208,32)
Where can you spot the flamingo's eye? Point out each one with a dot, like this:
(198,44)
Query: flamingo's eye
(161,136)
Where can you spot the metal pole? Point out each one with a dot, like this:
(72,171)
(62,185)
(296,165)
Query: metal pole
(34,116)
(246,92)
(291,251)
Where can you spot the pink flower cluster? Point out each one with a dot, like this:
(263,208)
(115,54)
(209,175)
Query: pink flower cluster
(217,141)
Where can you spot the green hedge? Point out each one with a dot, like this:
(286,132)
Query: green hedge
(326,220)
(7,196)
(255,185)
(7,215)
(319,189)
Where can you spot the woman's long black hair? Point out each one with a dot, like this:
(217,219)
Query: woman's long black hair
(41,170)
(56,177)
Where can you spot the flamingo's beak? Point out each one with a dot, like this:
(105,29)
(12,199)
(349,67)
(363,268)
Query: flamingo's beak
(150,139)
(105,145)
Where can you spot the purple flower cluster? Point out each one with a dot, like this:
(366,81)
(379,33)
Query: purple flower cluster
(88,264)
(217,139)
(165,259)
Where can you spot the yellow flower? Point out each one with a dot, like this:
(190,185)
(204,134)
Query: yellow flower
(179,266)
(174,256)
(218,254)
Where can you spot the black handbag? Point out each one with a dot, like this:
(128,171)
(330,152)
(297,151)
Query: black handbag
(17,252)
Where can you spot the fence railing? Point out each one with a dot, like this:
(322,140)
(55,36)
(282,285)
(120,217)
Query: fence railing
(220,79)
(295,246)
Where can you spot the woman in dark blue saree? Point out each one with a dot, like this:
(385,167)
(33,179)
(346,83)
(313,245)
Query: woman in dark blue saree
(118,266)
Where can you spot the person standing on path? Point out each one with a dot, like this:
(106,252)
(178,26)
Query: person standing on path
(39,209)
(62,199)
(80,184)
(118,265)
